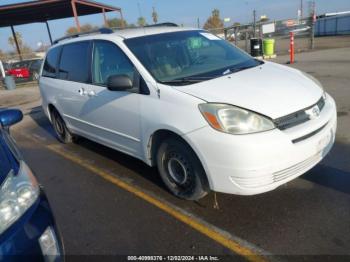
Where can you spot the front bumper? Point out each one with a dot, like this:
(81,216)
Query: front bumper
(21,241)
(257,163)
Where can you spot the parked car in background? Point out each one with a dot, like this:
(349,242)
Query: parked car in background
(207,114)
(27,70)
(27,227)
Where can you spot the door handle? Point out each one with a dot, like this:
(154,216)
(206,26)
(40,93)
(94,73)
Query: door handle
(82,91)
(91,93)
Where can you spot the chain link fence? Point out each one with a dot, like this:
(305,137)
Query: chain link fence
(278,30)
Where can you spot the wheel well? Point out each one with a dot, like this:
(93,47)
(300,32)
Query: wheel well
(51,107)
(158,137)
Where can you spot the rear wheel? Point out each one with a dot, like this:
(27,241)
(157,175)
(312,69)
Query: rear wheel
(181,170)
(61,130)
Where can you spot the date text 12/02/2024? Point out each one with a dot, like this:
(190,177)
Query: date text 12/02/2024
(173,258)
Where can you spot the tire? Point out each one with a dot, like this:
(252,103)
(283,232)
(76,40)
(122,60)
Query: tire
(181,170)
(61,130)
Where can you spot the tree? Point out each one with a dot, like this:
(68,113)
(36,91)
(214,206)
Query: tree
(116,23)
(25,50)
(214,22)
(154,16)
(83,28)
(141,21)
(3,56)
(12,42)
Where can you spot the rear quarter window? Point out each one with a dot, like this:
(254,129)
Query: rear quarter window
(51,61)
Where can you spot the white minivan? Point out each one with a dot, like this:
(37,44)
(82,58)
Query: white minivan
(208,115)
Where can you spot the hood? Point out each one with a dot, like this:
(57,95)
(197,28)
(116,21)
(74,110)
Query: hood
(270,89)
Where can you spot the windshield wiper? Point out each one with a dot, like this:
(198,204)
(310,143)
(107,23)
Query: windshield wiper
(187,80)
(231,70)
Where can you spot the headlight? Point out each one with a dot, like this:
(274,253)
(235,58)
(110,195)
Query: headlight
(234,120)
(17,194)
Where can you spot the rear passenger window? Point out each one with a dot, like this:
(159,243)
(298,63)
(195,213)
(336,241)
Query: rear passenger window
(74,65)
(49,69)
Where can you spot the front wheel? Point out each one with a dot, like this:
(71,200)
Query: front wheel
(181,170)
(61,130)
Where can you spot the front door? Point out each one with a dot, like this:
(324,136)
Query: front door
(111,117)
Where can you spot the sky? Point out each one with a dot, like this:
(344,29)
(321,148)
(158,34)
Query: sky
(184,12)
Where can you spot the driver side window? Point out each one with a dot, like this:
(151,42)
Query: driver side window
(108,60)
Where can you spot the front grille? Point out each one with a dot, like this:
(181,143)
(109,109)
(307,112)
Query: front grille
(298,117)
(299,139)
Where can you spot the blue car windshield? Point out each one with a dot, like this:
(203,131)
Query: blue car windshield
(188,55)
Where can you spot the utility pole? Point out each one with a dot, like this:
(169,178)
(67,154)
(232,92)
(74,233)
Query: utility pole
(301,9)
(313,20)
(254,22)
(139,8)
(198,25)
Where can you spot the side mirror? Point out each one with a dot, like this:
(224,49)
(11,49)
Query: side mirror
(119,83)
(9,117)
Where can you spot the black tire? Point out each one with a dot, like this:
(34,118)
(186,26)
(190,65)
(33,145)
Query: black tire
(61,130)
(181,170)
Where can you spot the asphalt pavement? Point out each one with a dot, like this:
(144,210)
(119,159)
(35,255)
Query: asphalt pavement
(107,203)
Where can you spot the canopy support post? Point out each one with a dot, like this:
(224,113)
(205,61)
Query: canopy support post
(48,31)
(74,8)
(121,17)
(104,17)
(16,42)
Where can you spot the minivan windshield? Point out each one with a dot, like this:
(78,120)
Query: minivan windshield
(188,56)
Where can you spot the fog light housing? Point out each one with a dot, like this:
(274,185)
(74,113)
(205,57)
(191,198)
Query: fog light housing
(49,245)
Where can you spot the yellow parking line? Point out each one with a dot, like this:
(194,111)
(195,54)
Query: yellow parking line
(234,246)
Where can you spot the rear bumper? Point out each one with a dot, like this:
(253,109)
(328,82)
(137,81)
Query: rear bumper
(257,163)
(21,241)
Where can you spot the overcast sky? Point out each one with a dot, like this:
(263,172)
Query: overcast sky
(179,11)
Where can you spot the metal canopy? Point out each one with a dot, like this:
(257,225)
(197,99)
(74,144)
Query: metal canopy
(45,10)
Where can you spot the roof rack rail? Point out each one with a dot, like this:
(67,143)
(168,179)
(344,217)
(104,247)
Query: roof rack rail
(102,30)
(163,24)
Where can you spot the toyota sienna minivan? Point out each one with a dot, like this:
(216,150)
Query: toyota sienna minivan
(208,115)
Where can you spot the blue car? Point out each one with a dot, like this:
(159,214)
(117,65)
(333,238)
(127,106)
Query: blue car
(27,227)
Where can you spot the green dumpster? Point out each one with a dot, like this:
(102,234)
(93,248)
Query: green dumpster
(269,46)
